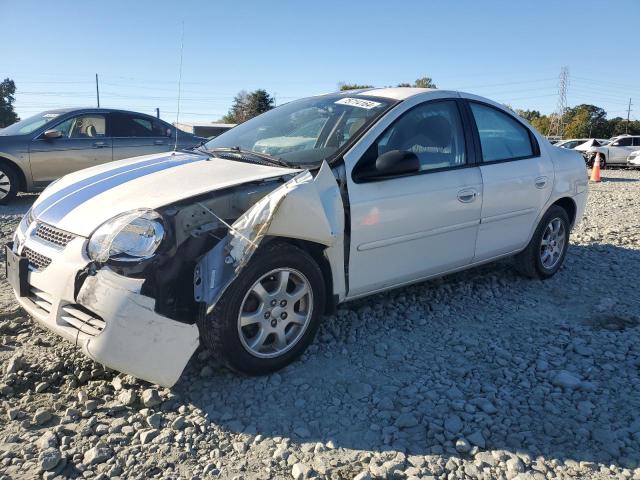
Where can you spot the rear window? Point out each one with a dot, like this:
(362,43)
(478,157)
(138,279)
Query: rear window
(502,137)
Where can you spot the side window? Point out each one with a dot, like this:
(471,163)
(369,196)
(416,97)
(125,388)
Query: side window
(622,142)
(125,125)
(433,131)
(636,141)
(83,126)
(502,137)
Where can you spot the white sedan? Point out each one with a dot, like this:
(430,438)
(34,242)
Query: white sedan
(241,245)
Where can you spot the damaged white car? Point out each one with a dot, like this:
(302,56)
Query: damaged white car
(242,244)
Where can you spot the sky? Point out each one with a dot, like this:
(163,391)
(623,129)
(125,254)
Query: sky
(509,51)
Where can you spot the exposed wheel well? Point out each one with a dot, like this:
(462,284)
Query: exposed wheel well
(569,206)
(316,251)
(19,172)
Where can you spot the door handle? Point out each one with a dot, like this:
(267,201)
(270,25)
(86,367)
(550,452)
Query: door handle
(467,195)
(100,144)
(159,142)
(541,182)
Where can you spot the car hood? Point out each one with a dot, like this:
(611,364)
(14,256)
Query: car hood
(82,201)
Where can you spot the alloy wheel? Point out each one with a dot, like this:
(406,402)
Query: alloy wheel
(553,243)
(275,313)
(5,185)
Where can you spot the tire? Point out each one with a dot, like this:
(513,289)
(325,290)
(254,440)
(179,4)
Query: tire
(530,262)
(231,344)
(9,183)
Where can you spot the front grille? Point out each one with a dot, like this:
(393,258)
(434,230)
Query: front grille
(37,261)
(53,235)
(81,319)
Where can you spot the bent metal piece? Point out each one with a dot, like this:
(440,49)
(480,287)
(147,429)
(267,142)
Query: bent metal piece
(318,216)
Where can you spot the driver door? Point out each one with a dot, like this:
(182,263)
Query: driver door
(421,224)
(83,144)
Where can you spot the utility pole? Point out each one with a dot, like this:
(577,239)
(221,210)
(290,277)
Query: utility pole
(157,112)
(97,91)
(556,127)
(628,114)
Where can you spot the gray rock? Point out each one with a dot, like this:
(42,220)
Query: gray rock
(179,423)
(300,471)
(406,420)
(98,454)
(49,459)
(154,420)
(147,435)
(566,380)
(151,397)
(47,440)
(41,387)
(515,465)
(477,439)
(360,390)
(15,363)
(463,446)
(453,424)
(127,397)
(42,416)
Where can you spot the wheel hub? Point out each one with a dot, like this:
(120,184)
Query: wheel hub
(275,313)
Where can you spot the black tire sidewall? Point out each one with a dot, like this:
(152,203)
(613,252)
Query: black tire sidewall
(219,329)
(552,213)
(10,172)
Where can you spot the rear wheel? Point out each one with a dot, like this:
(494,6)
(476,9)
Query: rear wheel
(547,249)
(268,316)
(8,183)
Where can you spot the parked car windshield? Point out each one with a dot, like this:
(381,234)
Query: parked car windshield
(304,132)
(30,124)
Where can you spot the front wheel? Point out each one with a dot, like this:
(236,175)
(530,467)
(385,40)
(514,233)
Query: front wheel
(547,249)
(8,183)
(269,314)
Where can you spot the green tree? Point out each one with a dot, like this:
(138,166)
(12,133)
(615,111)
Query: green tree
(585,121)
(248,105)
(424,82)
(7,114)
(352,86)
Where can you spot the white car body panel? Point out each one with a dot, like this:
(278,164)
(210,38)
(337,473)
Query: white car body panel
(401,230)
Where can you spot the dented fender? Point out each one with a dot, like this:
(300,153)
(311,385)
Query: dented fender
(305,207)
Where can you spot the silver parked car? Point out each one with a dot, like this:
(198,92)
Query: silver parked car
(40,149)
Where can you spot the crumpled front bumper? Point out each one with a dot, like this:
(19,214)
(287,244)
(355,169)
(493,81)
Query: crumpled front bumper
(108,318)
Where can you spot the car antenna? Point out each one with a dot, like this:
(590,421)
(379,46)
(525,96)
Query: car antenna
(175,146)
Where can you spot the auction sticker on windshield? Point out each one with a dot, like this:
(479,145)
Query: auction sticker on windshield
(358,102)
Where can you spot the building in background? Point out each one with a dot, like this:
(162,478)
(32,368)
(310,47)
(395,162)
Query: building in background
(204,129)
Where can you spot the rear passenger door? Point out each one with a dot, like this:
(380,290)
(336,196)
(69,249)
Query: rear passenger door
(517,178)
(135,135)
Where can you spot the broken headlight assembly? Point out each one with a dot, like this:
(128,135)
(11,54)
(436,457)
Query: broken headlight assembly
(129,237)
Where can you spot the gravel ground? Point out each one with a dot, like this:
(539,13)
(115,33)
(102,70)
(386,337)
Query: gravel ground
(482,374)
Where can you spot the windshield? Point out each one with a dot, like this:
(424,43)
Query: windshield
(304,132)
(29,125)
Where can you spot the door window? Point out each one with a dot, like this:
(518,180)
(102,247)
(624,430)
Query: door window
(622,142)
(83,126)
(636,141)
(502,137)
(433,131)
(125,125)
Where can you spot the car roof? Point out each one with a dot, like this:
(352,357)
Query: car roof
(395,93)
(61,111)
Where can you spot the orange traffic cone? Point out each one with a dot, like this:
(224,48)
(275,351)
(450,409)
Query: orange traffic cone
(595,171)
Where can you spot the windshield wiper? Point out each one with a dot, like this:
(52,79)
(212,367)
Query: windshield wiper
(237,152)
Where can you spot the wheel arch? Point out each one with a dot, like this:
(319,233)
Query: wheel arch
(316,250)
(21,176)
(569,206)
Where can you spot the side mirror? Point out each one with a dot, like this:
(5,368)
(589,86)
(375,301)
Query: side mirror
(392,164)
(51,134)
